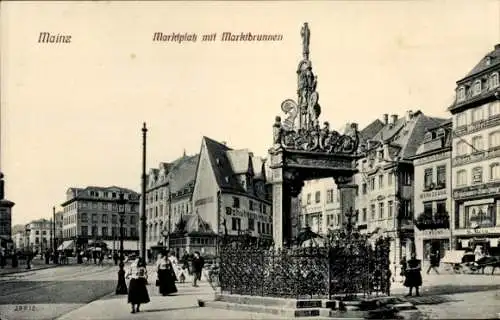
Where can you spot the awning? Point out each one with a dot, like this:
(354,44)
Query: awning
(68,244)
(128,245)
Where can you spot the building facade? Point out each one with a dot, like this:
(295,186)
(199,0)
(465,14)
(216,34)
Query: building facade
(168,197)
(385,196)
(475,156)
(5,217)
(58,227)
(38,235)
(320,206)
(433,196)
(230,197)
(90,215)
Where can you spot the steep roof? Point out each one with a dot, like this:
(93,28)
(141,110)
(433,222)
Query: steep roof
(182,173)
(414,139)
(371,130)
(221,165)
(490,60)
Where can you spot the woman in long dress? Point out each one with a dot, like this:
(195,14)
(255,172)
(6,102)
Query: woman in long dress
(166,276)
(137,293)
(413,277)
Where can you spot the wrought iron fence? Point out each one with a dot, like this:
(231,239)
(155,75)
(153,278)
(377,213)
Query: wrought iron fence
(342,268)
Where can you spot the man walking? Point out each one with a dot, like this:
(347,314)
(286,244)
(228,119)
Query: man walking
(434,261)
(197,264)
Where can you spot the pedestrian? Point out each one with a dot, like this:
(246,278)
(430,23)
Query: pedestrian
(434,261)
(166,275)
(101,258)
(197,263)
(115,258)
(137,292)
(175,264)
(413,277)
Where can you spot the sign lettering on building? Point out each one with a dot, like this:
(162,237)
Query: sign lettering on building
(203,201)
(433,194)
(477,175)
(475,191)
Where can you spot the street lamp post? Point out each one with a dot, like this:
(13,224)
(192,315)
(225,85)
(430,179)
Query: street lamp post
(121,287)
(28,248)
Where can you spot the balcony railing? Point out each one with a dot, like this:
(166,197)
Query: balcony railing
(429,221)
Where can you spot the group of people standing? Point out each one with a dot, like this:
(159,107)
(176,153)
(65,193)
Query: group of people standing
(168,273)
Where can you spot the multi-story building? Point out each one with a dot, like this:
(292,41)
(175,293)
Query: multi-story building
(433,202)
(91,215)
(320,206)
(5,218)
(476,154)
(38,235)
(230,198)
(168,195)
(384,200)
(19,238)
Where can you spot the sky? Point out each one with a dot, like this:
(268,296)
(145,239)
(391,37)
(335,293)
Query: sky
(71,114)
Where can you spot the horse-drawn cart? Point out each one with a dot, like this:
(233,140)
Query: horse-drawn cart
(461,261)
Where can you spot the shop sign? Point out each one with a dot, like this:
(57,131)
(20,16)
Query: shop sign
(477,231)
(435,233)
(475,191)
(433,194)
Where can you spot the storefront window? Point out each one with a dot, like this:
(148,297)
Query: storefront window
(481,215)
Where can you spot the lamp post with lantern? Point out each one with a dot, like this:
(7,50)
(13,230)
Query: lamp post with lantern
(121,287)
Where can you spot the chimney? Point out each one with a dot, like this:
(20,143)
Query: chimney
(386,118)
(409,115)
(394,118)
(224,143)
(354,126)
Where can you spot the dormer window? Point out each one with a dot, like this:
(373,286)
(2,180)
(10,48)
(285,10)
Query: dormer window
(428,137)
(494,80)
(461,94)
(476,89)
(488,60)
(440,132)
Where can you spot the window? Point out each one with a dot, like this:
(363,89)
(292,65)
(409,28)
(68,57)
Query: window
(372,211)
(495,171)
(133,232)
(156,212)
(462,148)
(236,202)
(390,177)
(308,198)
(372,183)
(236,224)
(364,188)
(441,206)
(114,232)
(94,218)
(461,94)
(461,178)
(317,197)
(94,231)
(132,220)
(364,215)
(427,178)
(441,176)
(381,210)
(494,139)
(250,205)
(476,89)
(390,208)
(251,224)
(428,207)
(406,176)
(477,175)
(329,196)
(114,219)
(494,81)
(84,217)
(494,109)
(104,218)
(477,114)
(104,231)
(44,233)
(381,181)
(85,231)
(125,232)
(477,144)
(461,119)
(258,227)
(406,209)
(229,211)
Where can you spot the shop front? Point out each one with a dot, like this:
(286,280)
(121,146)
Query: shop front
(478,217)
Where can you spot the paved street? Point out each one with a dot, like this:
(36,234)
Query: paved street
(48,293)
